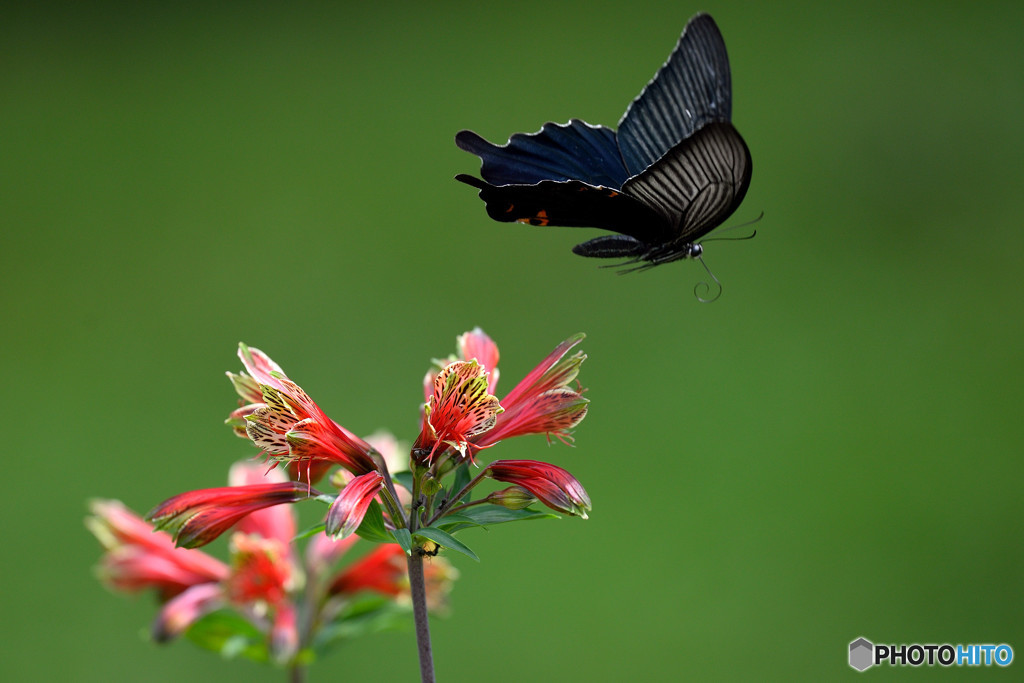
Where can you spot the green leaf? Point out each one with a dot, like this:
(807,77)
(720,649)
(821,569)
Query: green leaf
(443,538)
(462,478)
(365,614)
(229,634)
(372,528)
(484,515)
(312,531)
(457,518)
(404,539)
(404,479)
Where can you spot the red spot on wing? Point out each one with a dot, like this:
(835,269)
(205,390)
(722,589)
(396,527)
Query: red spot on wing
(539,218)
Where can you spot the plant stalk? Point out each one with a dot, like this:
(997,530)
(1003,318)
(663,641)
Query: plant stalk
(419,609)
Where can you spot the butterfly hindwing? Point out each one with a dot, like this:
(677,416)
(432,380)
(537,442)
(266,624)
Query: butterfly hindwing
(699,183)
(612,246)
(569,204)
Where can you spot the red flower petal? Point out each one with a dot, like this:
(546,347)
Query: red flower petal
(197,517)
(349,508)
(552,485)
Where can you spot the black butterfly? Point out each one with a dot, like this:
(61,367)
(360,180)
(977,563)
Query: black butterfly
(674,171)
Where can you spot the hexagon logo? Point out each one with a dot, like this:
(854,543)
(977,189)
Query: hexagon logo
(862,653)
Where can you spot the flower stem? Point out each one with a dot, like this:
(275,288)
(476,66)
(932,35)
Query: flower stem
(451,502)
(419,608)
(470,504)
(396,511)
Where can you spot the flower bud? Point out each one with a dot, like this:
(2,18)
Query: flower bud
(513,498)
(552,485)
(431,485)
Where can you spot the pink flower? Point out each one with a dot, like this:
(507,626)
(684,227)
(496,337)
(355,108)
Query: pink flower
(184,610)
(288,425)
(543,402)
(262,571)
(138,559)
(188,581)
(276,522)
(348,509)
(552,485)
(261,577)
(197,517)
(248,389)
(462,413)
(459,409)
(322,551)
(476,345)
(472,345)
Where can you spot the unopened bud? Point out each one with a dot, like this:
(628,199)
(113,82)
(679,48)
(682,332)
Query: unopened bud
(431,485)
(513,498)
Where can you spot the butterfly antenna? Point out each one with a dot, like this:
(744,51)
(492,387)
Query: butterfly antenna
(706,286)
(736,227)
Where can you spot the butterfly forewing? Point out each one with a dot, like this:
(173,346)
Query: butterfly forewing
(693,88)
(566,151)
(698,184)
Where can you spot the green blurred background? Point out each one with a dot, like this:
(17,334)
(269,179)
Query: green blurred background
(831,450)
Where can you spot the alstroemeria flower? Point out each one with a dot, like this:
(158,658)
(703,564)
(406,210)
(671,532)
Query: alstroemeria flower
(472,345)
(459,409)
(189,581)
(262,571)
(184,610)
(288,425)
(543,402)
(137,558)
(476,345)
(261,576)
(248,389)
(277,522)
(197,517)
(348,509)
(552,485)
(385,571)
(322,552)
